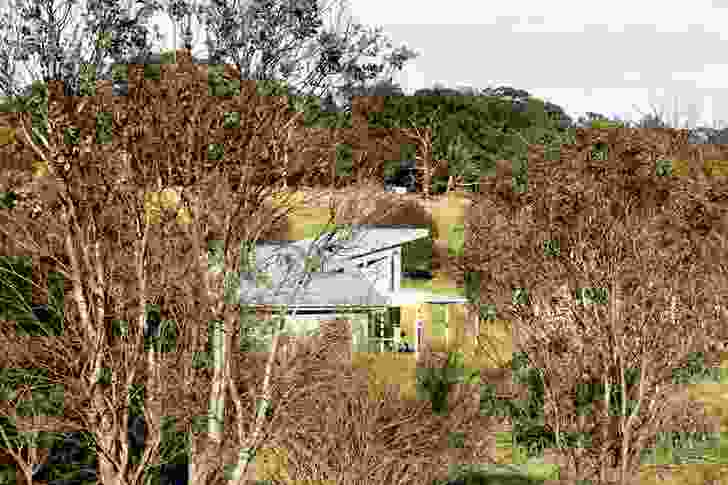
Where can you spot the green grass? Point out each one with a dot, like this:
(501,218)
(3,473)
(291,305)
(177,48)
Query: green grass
(455,240)
(427,285)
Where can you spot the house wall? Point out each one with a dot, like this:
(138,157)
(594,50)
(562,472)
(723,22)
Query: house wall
(310,325)
(385,275)
(408,321)
(462,325)
(397,269)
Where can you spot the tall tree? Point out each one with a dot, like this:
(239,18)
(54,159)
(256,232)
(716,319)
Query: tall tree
(89,294)
(73,43)
(286,40)
(607,283)
(135,231)
(423,117)
(471,132)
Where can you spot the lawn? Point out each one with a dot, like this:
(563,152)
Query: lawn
(437,285)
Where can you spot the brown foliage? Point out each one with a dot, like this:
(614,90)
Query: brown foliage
(129,222)
(409,212)
(330,429)
(657,245)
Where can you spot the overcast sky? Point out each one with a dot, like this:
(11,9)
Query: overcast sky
(584,56)
(616,58)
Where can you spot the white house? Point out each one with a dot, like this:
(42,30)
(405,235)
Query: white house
(360,281)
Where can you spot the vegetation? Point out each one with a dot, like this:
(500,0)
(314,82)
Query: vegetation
(415,439)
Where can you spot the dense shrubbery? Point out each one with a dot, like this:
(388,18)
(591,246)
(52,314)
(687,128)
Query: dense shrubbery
(531,435)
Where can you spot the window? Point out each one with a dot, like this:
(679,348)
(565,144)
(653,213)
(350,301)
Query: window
(380,333)
(394,315)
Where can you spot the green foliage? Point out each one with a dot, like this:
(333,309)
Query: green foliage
(215,151)
(87,80)
(104,128)
(520,296)
(8,199)
(681,448)
(37,105)
(167,339)
(456,240)
(531,434)
(604,124)
(471,283)
(472,132)
(456,439)
(153,72)
(136,399)
(46,397)
(552,248)
(694,370)
(232,120)
(72,136)
(420,112)
(255,335)
(168,57)
(175,447)
(272,87)
(219,85)
(15,285)
(417,255)
(15,291)
(434,384)
(202,360)
(344,160)
(663,168)
(592,295)
(119,72)
(439,320)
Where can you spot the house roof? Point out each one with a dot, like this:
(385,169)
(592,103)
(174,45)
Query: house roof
(284,261)
(366,239)
(324,289)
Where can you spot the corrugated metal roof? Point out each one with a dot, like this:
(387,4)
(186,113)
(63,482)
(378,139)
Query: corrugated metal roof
(284,262)
(323,289)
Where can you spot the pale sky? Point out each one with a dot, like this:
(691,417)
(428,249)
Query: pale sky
(584,56)
(607,57)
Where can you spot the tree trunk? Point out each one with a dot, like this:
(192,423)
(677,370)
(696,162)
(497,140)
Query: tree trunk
(450,184)
(427,180)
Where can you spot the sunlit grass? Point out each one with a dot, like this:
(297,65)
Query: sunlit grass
(455,240)
(437,286)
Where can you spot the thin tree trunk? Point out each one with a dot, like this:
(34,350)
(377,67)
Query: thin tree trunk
(450,184)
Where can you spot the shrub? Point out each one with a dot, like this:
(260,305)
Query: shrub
(410,212)
(416,255)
